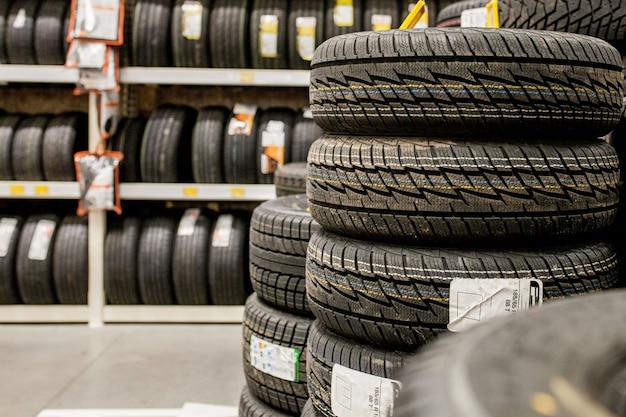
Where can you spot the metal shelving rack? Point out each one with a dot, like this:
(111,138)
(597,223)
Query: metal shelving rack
(96,313)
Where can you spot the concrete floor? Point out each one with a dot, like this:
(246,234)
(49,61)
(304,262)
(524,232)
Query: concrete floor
(118,366)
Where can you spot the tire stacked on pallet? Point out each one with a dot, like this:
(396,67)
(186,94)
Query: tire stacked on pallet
(277,317)
(507,155)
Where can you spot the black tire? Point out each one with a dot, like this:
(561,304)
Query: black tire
(240,154)
(325,349)
(229,279)
(305,132)
(250,406)
(127,140)
(11,227)
(70,269)
(450,16)
(518,83)
(229,34)
(26,152)
(34,276)
(19,32)
(49,36)
(65,135)
(166,145)
(271,119)
(8,126)
(286,330)
(413,189)
(5,6)
(522,365)
(190,259)
(331,29)
(151,33)
(207,145)
(280,230)
(304,9)
(154,260)
(403,301)
(278,8)
(186,51)
(309,410)
(121,246)
(380,7)
(291,179)
(604,19)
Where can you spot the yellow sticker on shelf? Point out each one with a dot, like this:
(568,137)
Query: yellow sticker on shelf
(415,16)
(238,192)
(190,191)
(268,36)
(493,14)
(305,39)
(343,14)
(17,190)
(42,190)
(246,77)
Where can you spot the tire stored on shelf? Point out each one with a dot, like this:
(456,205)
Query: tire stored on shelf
(290,179)
(65,135)
(564,359)
(154,260)
(70,269)
(467,82)
(20,31)
(127,139)
(399,296)
(305,132)
(26,152)
(415,189)
(151,33)
(10,229)
(207,145)
(229,33)
(50,32)
(274,134)
(280,380)
(240,159)
(268,34)
(9,124)
(342,16)
(190,33)
(121,246)
(305,31)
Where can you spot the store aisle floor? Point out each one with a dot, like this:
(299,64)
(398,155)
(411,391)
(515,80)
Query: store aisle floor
(118,366)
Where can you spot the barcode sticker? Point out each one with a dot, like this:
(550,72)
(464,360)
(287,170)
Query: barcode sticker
(272,359)
(40,243)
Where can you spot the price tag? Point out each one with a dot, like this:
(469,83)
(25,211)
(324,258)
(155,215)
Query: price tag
(192,20)
(357,394)
(278,361)
(305,38)
(17,190)
(7,228)
(187,223)
(243,119)
(237,192)
(268,36)
(475,300)
(40,243)
(222,231)
(190,191)
(42,190)
(343,14)
(381,22)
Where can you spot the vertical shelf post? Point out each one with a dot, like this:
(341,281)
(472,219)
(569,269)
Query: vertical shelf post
(96,232)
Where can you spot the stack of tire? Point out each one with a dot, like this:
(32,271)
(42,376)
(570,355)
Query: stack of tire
(277,317)
(179,144)
(43,259)
(504,182)
(197,258)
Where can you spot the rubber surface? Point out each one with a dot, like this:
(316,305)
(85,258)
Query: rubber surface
(8,127)
(8,282)
(467,82)
(190,46)
(325,349)
(49,33)
(34,276)
(250,406)
(4,18)
(70,269)
(229,34)
(151,45)
(398,296)
(26,152)
(414,189)
(566,357)
(280,230)
(309,410)
(306,9)
(19,32)
(65,135)
(127,139)
(274,124)
(229,277)
(305,132)
(154,260)
(450,16)
(283,329)
(207,145)
(240,153)
(291,179)
(331,29)
(261,42)
(121,246)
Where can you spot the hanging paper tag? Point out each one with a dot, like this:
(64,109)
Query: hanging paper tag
(40,243)
(187,223)
(278,361)
(243,119)
(343,14)
(97,20)
(475,300)
(474,18)
(192,20)
(98,177)
(305,39)
(20,19)
(357,394)
(381,22)
(87,55)
(222,231)
(7,228)
(268,36)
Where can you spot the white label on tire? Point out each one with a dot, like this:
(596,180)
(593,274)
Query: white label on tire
(474,18)
(7,228)
(381,22)
(40,243)
(222,231)
(268,39)
(343,14)
(305,40)
(307,113)
(278,361)
(357,394)
(192,20)
(274,134)
(475,300)
(188,222)
(20,19)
